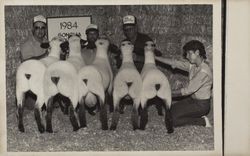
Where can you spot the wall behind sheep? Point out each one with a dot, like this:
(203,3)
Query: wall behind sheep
(170,26)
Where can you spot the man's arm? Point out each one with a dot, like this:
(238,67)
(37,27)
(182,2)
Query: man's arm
(183,65)
(34,57)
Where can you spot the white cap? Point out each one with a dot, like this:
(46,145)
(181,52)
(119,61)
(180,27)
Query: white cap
(92,26)
(129,19)
(39,18)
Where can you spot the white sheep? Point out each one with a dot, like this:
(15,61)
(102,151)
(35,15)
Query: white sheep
(29,77)
(61,80)
(127,83)
(94,82)
(154,84)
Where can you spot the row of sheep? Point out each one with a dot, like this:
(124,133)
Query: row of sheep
(76,86)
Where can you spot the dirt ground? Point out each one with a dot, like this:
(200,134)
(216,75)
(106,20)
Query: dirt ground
(154,138)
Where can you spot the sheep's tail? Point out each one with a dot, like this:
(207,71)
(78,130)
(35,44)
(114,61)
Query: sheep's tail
(157,86)
(55,79)
(129,84)
(27,76)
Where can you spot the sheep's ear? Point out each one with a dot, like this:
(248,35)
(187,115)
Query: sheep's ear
(64,45)
(45,45)
(83,42)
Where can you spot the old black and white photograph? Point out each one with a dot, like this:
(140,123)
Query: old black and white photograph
(113,77)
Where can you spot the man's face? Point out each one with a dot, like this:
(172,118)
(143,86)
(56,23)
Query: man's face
(192,56)
(39,30)
(92,36)
(130,31)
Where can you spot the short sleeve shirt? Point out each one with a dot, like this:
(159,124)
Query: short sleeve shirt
(31,48)
(200,79)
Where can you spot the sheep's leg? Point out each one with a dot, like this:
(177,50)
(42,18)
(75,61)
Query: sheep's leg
(81,114)
(135,114)
(121,107)
(168,118)
(116,113)
(49,115)
(72,117)
(20,109)
(110,102)
(37,113)
(159,107)
(103,114)
(66,104)
(144,115)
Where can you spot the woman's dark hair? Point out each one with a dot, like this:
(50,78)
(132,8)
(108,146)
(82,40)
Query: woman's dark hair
(194,45)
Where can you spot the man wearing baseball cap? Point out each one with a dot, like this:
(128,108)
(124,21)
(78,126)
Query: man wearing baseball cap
(89,51)
(131,33)
(31,48)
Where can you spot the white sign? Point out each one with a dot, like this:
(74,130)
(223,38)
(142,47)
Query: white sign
(66,25)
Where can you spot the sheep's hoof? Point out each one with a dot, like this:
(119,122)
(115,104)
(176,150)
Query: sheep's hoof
(170,130)
(113,128)
(41,129)
(49,130)
(160,113)
(83,126)
(104,127)
(76,129)
(21,128)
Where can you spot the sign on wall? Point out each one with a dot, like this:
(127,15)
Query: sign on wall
(66,25)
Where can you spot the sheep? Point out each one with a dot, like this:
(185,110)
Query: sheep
(95,83)
(61,80)
(154,84)
(127,83)
(29,77)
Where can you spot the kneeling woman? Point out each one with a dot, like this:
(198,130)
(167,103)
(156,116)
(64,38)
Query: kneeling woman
(193,109)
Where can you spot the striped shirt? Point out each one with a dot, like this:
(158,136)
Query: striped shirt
(200,79)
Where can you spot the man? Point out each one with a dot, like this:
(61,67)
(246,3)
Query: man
(138,39)
(31,48)
(89,50)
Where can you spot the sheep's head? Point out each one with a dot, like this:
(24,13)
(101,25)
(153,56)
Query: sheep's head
(127,46)
(102,43)
(54,45)
(149,48)
(57,41)
(75,41)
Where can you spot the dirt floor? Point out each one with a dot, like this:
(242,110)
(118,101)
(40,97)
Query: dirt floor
(154,138)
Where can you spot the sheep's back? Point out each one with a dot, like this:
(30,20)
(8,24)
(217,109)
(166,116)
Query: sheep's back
(67,84)
(150,79)
(94,81)
(103,66)
(49,60)
(127,75)
(36,70)
(77,62)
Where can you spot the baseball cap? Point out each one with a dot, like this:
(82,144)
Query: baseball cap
(91,27)
(39,18)
(129,19)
